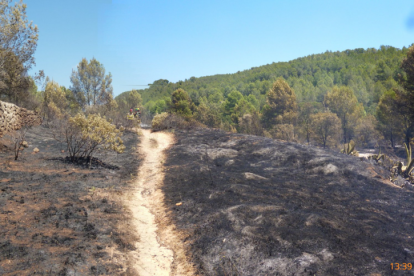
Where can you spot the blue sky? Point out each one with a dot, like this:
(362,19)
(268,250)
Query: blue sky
(143,41)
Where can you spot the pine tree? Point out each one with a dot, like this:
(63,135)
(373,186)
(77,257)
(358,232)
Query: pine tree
(281,107)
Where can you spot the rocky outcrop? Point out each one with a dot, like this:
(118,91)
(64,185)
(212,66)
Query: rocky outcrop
(13,117)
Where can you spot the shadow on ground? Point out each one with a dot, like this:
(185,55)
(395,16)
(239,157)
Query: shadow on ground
(256,206)
(59,218)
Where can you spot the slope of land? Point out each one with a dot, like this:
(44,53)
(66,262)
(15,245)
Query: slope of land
(158,251)
(369,72)
(58,218)
(256,206)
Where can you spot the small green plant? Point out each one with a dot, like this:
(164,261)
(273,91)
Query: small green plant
(405,171)
(92,191)
(378,157)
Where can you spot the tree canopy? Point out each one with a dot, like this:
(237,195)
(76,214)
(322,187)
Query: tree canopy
(281,106)
(283,96)
(90,84)
(18,42)
(343,102)
(180,103)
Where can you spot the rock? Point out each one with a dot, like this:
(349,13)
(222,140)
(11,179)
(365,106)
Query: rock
(409,186)
(36,150)
(14,117)
(25,144)
(252,176)
(400,181)
(221,152)
(330,168)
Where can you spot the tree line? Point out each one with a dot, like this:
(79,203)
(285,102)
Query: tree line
(365,95)
(327,99)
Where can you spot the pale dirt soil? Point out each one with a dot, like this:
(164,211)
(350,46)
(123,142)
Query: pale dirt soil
(159,250)
(60,218)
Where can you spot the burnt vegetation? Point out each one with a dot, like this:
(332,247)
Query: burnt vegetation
(257,206)
(64,218)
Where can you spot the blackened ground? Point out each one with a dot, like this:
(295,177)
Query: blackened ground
(59,218)
(256,206)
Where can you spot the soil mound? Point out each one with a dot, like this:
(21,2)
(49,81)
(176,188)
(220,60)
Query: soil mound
(256,206)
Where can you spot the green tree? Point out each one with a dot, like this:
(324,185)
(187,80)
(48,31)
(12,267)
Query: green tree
(232,99)
(54,101)
(208,114)
(90,84)
(159,107)
(180,103)
(343,102)
(383,71)
(408,66)
(128,100)
(281,107)
(306,110)
(326,128)
(150,106)
(242,107)
(254,101)
(389,118)
(73,105)
(404,98)
(18,42)
(134,98)
(217,97)
(402,105)
(366,134)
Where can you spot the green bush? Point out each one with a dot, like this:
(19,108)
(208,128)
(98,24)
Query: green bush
(158,122)
(166,121)
(85,135)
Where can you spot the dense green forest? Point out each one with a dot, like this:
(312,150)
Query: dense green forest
(368,72)
(360,76)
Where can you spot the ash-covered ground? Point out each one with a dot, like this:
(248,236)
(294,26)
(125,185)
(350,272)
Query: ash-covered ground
(59,218)
(256,206)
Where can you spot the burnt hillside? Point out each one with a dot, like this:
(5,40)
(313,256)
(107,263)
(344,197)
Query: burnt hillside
(256,206)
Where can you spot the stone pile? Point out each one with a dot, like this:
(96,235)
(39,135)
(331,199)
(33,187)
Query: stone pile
(13,118)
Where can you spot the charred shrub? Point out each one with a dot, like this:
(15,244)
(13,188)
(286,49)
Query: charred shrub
(17,139)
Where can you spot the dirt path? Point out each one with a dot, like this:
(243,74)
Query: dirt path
(158,251)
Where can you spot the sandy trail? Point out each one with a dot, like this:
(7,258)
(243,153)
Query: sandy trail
(159,251)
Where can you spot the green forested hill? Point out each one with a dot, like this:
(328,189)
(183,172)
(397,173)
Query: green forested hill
(353,93)
(369,72)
